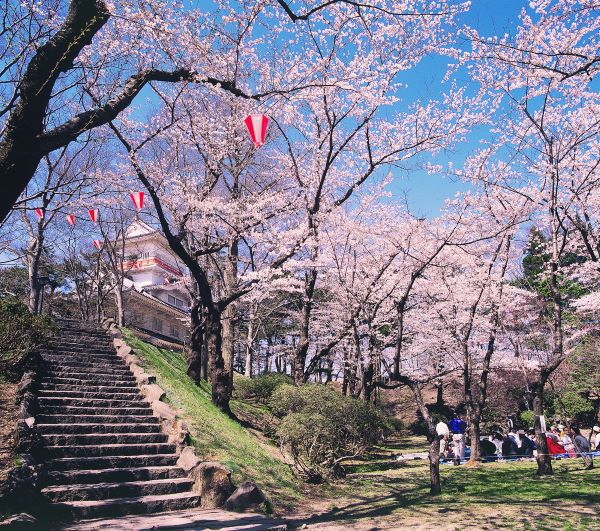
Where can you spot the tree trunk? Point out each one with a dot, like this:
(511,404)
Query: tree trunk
(475,434)
(435,485)
(303,341)
(194,370)
(544,460)
(249,352)
(21,148)
(228,341)
(34,255)
(219,375)
(118,292)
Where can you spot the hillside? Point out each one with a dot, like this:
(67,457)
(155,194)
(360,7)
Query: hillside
(215,436)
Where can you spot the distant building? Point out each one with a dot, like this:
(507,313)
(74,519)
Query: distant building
(156,302)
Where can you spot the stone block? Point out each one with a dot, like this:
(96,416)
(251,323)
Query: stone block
(188,459)
(212,481)
(153,392)
(246,496)
(163,411)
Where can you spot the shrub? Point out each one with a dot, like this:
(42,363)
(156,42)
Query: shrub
(20,334)
(321,428)
(527,418)
(261,387)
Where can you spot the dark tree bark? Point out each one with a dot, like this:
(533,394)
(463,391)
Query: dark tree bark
(194,370)
(21,148)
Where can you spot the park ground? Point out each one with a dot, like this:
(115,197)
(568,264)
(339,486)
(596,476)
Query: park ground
(379,492)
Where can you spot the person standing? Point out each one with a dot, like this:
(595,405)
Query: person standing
(458,427)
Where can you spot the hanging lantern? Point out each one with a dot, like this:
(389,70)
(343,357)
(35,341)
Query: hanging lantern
(39,213)
(70,219)
(138,199)
(98,244)
(137,266)
(257,127)
(94,215)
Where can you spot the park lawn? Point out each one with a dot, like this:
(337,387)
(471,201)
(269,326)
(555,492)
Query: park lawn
(493,496)
(215,436)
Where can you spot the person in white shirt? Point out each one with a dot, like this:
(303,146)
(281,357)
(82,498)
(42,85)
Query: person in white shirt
(595,439)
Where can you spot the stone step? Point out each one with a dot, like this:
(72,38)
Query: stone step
(57,357)
(124,506)
(89,371)
(92,350)
(85,393)
(124,381)
(112,475)
(90,378)
(100,417)
(86,439)
(110,449)
(113,411)
(103,491)
(136,401)
(98,428)
(110,461)
(65,388)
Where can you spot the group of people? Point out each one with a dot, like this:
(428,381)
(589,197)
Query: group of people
(560,440)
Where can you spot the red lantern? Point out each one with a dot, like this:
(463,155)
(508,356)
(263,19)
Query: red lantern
(137,266)
(40,213)
(94,215)
(138,199)
(257,127)
(70,219)
(98,244)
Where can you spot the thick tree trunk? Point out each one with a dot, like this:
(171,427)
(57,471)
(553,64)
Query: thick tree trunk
(475,434)
(194,370)
(34,255)
(544,460)
(219,376)
(21,148)
(303,342)
(228,332)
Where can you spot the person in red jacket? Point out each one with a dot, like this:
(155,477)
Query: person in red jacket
(554,447)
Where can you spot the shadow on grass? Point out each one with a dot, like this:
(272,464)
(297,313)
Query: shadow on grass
(504,485)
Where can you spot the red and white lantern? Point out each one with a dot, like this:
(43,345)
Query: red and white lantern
(70,219)
(257,127)
(39,213)
(138,199)
(98,244)
(93,215)
(137,266)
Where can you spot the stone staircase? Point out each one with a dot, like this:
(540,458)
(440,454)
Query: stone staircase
(105,454)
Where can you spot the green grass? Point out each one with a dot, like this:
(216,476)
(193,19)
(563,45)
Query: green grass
(215,436)
(496,495)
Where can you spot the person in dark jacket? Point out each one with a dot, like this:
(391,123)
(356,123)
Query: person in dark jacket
(458,427)
(488,450)
(527,446)
(509,447)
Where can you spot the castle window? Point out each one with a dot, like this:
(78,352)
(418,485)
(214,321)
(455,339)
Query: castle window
(157,324)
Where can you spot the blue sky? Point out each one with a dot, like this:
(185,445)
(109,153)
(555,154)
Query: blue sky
(426,193)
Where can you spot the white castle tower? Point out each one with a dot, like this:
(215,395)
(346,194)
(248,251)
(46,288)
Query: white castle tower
(155,298)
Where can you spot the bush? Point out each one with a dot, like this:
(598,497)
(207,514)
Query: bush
(20,334)
(527,418)
(261,387)
(321,428)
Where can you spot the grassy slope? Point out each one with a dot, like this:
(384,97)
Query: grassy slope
(216,436)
